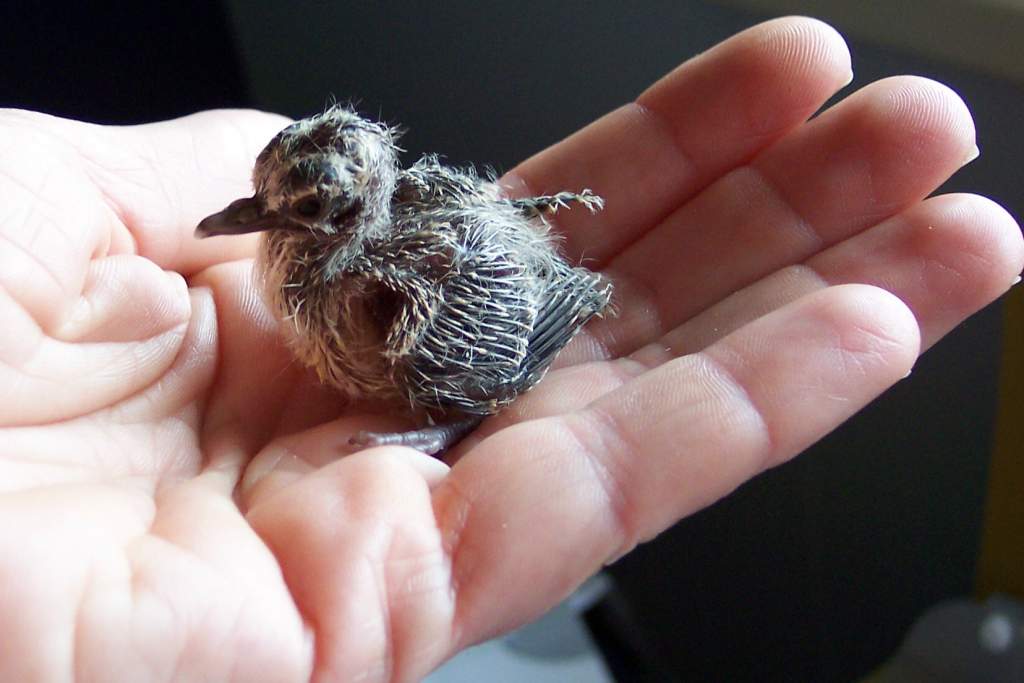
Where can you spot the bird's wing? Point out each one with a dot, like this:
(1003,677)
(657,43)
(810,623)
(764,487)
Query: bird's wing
(429,183)
(536,207)
(497,326)
(401,274)
(570,298)
(470,355)
(507,304)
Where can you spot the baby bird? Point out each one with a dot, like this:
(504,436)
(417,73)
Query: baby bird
(423,287)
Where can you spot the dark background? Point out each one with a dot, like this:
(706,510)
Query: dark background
(813,571)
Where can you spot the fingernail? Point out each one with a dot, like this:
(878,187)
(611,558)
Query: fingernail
(849,79)
(513,185)
(972,155)
(1016,281)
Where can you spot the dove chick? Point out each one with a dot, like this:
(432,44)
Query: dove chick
(422,287)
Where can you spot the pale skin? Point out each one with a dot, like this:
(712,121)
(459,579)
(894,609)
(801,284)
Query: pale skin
(172,501)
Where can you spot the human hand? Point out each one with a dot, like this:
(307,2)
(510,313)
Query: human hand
(173,505)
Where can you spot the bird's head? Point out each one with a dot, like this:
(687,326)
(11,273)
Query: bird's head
(330,175)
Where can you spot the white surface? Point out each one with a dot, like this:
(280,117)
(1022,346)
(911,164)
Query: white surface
(557,648)
(494,662)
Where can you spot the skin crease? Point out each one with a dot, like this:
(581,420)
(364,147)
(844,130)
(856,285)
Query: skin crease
(172,503)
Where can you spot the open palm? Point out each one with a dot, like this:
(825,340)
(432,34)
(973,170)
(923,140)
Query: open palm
(172,500)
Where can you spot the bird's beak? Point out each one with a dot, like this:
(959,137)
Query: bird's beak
(240,216)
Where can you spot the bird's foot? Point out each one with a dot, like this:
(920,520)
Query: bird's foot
(430,440)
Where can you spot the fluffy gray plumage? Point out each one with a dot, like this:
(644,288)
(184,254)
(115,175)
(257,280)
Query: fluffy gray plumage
(422,285)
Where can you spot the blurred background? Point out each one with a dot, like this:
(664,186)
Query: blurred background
(815,571)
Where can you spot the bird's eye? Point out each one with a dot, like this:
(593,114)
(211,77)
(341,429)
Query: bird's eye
(308,207)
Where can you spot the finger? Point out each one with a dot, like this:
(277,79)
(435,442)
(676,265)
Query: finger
(124,298)
(946,258)
(197,164)
(361,553)
(235,620)
(257,377)
(161,179)
(880,151)
(97,357)
(709,115)
(289,458)
(540,506)
(157,424)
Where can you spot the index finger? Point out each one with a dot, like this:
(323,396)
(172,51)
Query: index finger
(536,508)
(709,115)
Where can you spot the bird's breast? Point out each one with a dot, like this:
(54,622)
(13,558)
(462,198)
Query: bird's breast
(331,322)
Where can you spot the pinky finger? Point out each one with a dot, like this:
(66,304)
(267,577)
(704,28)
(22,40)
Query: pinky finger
(538,507)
